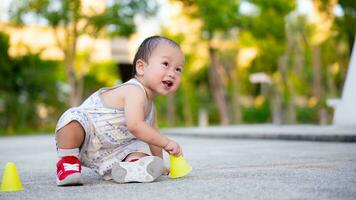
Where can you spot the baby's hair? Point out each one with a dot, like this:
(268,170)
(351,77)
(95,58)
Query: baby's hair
(146,48)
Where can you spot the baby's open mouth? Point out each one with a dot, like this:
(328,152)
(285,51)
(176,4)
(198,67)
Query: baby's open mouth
(168,83)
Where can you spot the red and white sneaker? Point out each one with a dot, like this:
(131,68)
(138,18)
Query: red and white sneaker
(69,171)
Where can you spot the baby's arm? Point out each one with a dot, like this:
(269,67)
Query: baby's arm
(134,114)
(156,150)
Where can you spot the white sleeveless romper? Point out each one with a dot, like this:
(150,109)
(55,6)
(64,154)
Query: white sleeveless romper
(107,139)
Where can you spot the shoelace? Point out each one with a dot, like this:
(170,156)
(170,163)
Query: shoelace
(68,166)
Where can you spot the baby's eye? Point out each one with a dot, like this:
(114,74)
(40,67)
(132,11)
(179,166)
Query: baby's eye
(179,69)
(165,64)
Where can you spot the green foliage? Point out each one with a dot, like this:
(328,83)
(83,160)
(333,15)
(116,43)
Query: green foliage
(100,75)
(346,24)
(269,33)
(217,16)
(307,115)
(69,20)
(259,114)
(277,34)
(227,17)
(269,22)
(117,18)
(283,7)
(27,82)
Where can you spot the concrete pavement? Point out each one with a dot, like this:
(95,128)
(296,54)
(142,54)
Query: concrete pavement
(223,168)
(269,131)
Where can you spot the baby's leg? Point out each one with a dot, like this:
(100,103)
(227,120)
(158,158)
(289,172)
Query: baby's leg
(70,136)
(134,156)
(69,140)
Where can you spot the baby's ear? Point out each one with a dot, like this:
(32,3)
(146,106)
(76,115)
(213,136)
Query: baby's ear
(140,65)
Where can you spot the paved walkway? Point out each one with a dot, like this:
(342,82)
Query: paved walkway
(267,131)
(223,168)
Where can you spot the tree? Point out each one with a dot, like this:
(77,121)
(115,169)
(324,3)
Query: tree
(27,83)
(69,19)
(268,26)
(347,22)
(323,11)
(219,18)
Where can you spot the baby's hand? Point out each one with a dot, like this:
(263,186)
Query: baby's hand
(165,171)
(173,148)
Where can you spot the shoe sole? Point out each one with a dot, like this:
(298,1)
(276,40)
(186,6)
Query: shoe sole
(145,170)
(70,180)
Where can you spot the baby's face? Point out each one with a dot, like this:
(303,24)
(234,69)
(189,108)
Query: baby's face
(164,69)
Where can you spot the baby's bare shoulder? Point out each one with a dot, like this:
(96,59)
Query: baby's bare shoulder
(132,90)
(118,96)
(124,90)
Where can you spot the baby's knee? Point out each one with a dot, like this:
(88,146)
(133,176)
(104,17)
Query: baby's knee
(70,135)
(73,128)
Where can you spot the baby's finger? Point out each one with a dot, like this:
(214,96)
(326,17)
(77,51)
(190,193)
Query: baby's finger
(165,171)
(176,152)
(171,152)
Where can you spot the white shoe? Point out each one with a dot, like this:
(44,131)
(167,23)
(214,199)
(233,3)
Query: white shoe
(144,170)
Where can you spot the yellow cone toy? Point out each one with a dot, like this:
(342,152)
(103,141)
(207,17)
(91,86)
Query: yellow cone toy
(10,179)
(179,167)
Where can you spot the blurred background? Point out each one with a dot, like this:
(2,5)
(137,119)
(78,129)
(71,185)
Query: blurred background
(247,61)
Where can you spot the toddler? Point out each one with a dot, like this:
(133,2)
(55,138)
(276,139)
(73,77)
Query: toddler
(114,131)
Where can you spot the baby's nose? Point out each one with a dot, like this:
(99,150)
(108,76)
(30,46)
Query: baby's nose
(171,73)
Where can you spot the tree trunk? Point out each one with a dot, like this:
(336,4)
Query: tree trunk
(316,72)
(75,80)
(317,87)
(216,73)
(331,91)
(289,113)
(236,108)
(276,105)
